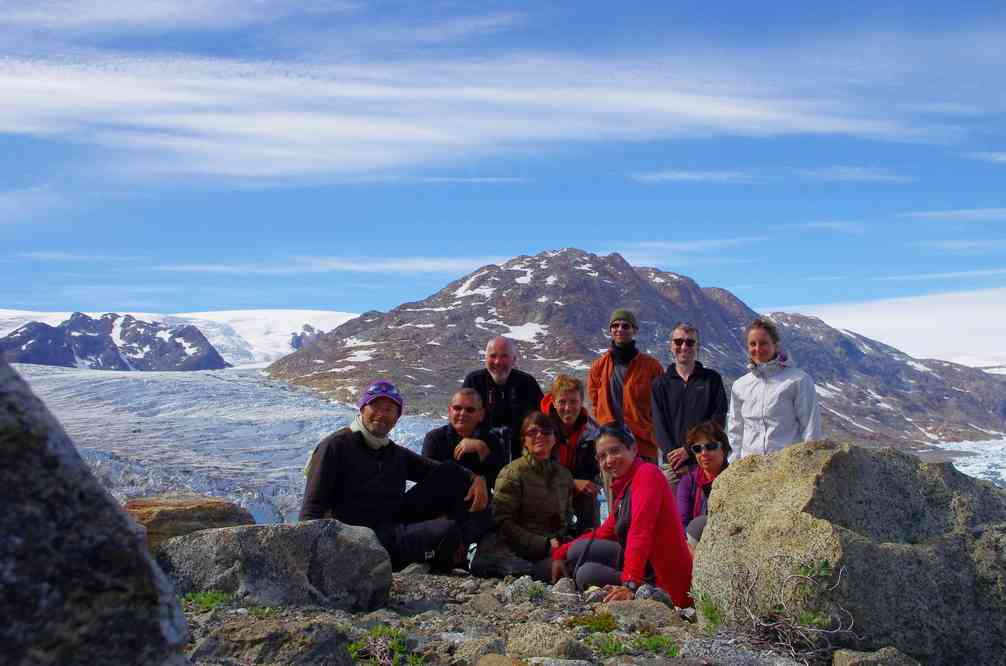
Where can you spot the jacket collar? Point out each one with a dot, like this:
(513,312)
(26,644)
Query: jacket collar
(776,365)
(618,484)
(672,370)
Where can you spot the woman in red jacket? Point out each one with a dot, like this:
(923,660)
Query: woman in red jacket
(641,540)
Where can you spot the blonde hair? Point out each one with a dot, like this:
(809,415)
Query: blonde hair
(564,383)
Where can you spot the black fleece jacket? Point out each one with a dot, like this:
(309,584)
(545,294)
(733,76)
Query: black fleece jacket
(507,405)
(360,485)
(439,445)
(678,406)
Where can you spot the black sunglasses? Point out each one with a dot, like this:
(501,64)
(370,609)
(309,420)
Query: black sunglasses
(709,446)
(687,342)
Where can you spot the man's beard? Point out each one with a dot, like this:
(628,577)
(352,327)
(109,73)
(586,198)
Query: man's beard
(500,379)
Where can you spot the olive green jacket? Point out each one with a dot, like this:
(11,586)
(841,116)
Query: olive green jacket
(532,504)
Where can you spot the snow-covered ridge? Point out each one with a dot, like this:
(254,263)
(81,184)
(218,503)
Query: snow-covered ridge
(243,337)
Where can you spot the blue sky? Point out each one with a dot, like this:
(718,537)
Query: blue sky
(180,155)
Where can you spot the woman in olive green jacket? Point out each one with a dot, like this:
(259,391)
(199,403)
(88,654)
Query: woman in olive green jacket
(532,500)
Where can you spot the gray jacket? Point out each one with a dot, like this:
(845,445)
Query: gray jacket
(771,407)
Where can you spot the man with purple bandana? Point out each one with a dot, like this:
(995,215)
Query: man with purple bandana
(358,476)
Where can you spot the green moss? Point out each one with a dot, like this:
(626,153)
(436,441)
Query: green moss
(661,645)
(710,610)
(535,591)
(608,645)
(595,622)
(261,612)
(384,646)
(208,600)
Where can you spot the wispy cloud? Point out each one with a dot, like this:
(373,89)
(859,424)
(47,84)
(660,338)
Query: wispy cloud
(60,256)
(853,174)
(470,180)
(961,215)
(998,158)
(27,204)
(730,177)
(964,246)
(678,253)
(952,275)
(158,14)
(824,225)
(306,265)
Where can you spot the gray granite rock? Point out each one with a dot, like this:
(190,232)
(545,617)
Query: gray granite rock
(77,585)
(320,562)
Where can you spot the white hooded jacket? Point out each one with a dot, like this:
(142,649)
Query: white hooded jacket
(771,407)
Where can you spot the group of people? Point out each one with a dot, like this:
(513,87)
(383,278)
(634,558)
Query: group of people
(526,469)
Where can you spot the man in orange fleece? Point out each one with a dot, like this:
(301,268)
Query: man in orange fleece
(620,381)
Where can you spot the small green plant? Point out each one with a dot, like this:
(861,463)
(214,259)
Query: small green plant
(711,611)
(208,600)
(535,591)
(814,618)
(595,622)
(384,646)
(817,570)
(261,612)
(608,645)
(662,645)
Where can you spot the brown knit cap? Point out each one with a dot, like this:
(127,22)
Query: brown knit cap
(621,314)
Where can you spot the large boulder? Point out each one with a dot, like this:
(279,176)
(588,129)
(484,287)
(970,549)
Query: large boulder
(318,562)
(168,516)
(858,547)
(77,585)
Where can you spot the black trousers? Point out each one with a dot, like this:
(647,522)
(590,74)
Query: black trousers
(600,563)
(434,521)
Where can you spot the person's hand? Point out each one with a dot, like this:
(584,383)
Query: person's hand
(559,570)
(477,494)
(585,486)
(471,445)
(677,457)
(618,593)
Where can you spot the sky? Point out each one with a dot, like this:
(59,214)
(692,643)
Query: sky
(185,155)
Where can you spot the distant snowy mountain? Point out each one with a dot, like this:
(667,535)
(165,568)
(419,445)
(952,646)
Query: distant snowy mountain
(111,342)
(242,337)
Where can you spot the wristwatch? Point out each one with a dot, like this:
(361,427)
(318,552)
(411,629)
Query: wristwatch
(631,585)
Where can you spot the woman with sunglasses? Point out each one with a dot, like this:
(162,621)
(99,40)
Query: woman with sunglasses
(775,404)
(532,500)
(641,541)
(708,443)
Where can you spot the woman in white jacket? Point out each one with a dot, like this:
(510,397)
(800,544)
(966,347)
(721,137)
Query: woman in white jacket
(775,404)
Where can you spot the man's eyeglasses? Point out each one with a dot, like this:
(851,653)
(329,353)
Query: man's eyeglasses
(535,432)
(621,325)
(708,446)
(684,342)
(467,409)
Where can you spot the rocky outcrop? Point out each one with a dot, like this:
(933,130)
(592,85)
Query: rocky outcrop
(319,562)
(319,641)
(556,305)
(864,548)
(111,342)
(167,516)
(78,586)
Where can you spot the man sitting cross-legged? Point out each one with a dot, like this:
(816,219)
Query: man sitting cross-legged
(466,439)
(357,475)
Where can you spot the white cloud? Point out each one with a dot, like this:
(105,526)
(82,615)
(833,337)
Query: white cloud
(962,215)
(843,227)
(970,246)
(304,265)
(113,15)
(999,158)
(57,255)
(693,177)
(950,275)
(853,174)
(471,180)
(963,327)
(27,204)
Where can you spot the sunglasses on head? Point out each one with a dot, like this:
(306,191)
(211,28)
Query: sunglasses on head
(708,446)
(686,342)
(534,432)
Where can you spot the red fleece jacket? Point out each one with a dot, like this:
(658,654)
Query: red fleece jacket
(655,533)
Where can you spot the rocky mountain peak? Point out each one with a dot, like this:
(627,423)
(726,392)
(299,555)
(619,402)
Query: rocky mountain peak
(555,305)
(111,342)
